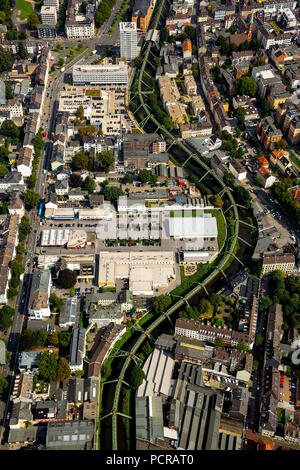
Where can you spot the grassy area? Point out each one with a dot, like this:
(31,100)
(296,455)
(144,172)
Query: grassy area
(220,224)
(294,158)
(119,16)
(25,9)
(92,92)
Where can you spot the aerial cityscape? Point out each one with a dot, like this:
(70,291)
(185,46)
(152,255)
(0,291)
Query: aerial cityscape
(149,226)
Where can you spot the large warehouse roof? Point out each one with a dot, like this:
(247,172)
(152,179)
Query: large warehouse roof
(193,227)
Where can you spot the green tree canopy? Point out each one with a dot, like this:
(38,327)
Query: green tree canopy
(144,175)
(24,228)
(27,342)
(246,86)
(112,193)
(31,198)
(217,200)
(3,384)
(9,129)
(67,278)
(47,364)
(219,343)
(265,303)
(64,339)
(5,321)
(242,196)
(89,184)
(127,178)
(41,338)
(75,181)
(190,31)
(161,303)
(106,370)
(9,93)
(6,60)
(137,376)
(105,160)
(33,21)
(55,302)
(87,130)
(242,346)
(80,112)
(217,321)
(53,339)
(240,115)
(63,370)
(259,339)
(80,161)
(22,51)
(204,307)
(229,179)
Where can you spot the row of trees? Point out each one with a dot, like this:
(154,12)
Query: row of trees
(17,264)
(6,60)
(241,194)
(6,317)
(30,340)
(103,12)
(291,206)
(146,176)
(104,160)
(52,367)
(228,48)
(286,291)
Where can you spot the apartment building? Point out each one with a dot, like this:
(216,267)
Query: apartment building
(48,15)
(51,3)
(100,74)
(13,107)
(38,306)
(269,39)
(77,349)
(128,40)
(238,170)
(288,117)
(8,243)
(268,132)
(77,25)
(24,162)
(277,95)
(270,377)
(141,13)
(46,31)
(283,261)
(279,158)
(82,28)
(197,129)
(170,98)
(187,49)
(190,85)
(196,330)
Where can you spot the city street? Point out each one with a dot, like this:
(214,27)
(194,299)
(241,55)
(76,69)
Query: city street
(48,123)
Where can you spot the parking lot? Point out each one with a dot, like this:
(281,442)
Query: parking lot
(272,217)
(287,392)
(222,382)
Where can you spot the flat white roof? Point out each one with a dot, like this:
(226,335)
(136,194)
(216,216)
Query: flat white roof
(193,227)
(120,67)
(128,26)
(145,270)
